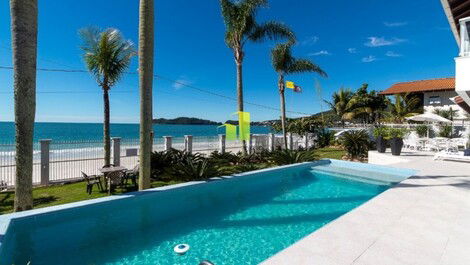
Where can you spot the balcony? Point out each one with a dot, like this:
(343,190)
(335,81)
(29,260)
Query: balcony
(462,63)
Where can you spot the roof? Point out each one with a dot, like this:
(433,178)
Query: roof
(456,10)
(441,84)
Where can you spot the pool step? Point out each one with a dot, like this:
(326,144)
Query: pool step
(375,177)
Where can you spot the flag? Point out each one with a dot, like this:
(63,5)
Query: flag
(290,84)
(297,89)
(244,125)
(230,131)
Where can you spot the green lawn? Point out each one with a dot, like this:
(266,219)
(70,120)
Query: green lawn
(60,194)
(331,152)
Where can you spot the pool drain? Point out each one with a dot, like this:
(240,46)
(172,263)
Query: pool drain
(181,249)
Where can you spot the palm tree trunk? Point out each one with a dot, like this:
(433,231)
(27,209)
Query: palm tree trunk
(239,62)
(283,108)
(106,131)
(24,42)
(146,42)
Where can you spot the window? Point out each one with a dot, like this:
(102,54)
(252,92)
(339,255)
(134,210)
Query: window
(434,100)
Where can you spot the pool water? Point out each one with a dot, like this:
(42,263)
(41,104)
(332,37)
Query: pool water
(242,220)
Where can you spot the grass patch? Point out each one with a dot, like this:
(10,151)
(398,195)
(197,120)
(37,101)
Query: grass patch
(67,193)
(331,152)
(61,194)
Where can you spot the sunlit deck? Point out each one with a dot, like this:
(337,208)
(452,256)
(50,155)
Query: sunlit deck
(423,220)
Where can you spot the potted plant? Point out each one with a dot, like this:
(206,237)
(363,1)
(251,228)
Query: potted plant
(396,140)
(380,133)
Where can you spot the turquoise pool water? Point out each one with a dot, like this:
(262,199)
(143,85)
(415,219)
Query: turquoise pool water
(242,220)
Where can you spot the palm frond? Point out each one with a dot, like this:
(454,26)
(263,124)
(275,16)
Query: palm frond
(304,65)
(271,30)
(106,54)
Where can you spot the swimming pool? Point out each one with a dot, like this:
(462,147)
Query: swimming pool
(243,219)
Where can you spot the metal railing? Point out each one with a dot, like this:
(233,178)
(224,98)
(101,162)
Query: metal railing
(63,161)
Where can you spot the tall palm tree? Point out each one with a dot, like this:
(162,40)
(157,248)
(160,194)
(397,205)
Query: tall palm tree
(340,104)
(24,28)
(285,64)
(146,42)
(107,56)
(242,27)
(365,105)
(404,105)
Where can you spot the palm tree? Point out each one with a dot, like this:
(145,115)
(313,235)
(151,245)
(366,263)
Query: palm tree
(340,104)
(24,28)
(107,55)
(241,27)
(365,105)
(146,42)
(285,64)
(405,105)
(447,113)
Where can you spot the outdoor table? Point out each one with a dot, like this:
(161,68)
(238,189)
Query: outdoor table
(107,170)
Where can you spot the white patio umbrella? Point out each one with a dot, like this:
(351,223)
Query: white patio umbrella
(429,117)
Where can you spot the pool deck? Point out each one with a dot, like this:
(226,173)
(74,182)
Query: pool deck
(423,220)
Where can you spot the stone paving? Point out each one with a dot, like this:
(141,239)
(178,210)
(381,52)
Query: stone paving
(423,220)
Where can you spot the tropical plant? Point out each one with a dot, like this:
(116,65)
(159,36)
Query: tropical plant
(404,105)
(325,137)
(146,45)
(228,158)
(422,130)
(446,113)
(160,161)
(381,132)
(396,133)
(340,103)
(24,28)
(445,131)
(107,55)
(284,63)
(367,106)
(356,143)
(286,156)
(242,27)
(188,168)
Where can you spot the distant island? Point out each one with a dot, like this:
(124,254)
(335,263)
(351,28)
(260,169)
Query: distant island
(185,121)
(197,121)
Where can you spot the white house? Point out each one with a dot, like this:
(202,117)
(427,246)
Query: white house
(458,14)
(434,94)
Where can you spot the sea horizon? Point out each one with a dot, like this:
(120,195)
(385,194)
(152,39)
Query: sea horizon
(79,131)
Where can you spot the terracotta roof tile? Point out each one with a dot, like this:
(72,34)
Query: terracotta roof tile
(421,86)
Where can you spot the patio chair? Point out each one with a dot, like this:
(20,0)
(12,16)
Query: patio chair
(454,156)
(115,179)
(132,175)
(91,181)
(3,185)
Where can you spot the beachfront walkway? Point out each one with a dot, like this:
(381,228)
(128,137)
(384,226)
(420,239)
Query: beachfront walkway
(423,220)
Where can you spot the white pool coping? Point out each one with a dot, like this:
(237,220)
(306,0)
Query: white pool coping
(6,219)
(422,220)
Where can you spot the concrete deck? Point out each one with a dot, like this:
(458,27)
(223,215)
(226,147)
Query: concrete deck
(423,220)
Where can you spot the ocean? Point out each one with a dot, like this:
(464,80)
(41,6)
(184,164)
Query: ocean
(94,131)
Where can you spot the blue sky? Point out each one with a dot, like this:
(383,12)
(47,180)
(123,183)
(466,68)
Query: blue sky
(379,42)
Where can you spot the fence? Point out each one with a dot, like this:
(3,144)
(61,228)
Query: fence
(62,161)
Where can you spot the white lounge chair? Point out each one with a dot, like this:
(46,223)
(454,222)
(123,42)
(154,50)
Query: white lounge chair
(454,156)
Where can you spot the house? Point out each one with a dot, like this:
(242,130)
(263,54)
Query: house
(458,14)
(434,94)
